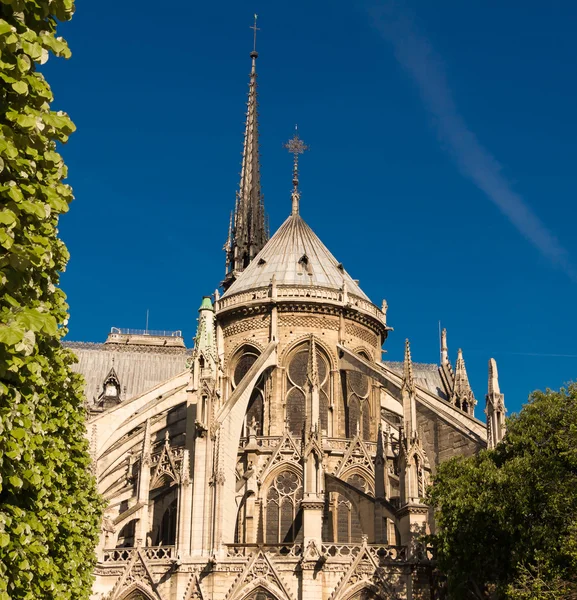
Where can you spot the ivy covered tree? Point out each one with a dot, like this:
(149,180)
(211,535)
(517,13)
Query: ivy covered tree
(49,507)
(507,518)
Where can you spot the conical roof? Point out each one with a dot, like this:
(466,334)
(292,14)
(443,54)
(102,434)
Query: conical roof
(295,256)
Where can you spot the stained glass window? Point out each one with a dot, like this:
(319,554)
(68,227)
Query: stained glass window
(298,390)
(358,404)
(283,522)
(341,518)
(243,364)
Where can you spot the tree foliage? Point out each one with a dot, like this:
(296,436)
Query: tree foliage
(49,508)
(507,518)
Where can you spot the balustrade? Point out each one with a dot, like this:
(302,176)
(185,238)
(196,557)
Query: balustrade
(299,292)
(234,550)
(152,553)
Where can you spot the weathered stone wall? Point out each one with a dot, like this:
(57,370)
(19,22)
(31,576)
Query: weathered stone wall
(441,440)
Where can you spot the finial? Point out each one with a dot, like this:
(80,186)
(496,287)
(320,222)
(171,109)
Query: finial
(254,53)
(408,379)
(296,146)
(493,377)
(444,349)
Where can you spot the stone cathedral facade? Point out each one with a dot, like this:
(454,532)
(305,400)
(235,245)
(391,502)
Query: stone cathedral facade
(280,458)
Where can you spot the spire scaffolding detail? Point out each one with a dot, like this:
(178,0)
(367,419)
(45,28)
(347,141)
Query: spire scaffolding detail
(248,231)
(296,146)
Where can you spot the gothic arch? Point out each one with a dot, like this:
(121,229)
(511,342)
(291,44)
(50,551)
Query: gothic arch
(303,340)
(356,497)
(296,363)
(244,350)
(269,591)
(355,592)
(364,353)
(249,343)
(285,465)
(243,358)
(361,471)
(281,498)
(138,591)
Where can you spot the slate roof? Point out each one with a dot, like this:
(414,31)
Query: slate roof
(138,368)
(281,255)
(426,375)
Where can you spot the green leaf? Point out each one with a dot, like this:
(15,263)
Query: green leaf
(26,121)
(6,239)
(15,193)
(33,208)
(24,63)
(15,481)
(7,217)
(5,27)
(20,87)
(26,345)
(18,433)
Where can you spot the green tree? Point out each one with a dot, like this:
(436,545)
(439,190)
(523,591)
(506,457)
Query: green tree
(507,518)
(49,507)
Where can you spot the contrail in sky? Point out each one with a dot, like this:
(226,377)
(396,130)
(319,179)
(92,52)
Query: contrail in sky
(476,163)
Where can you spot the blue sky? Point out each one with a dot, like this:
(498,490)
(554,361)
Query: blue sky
(441,172)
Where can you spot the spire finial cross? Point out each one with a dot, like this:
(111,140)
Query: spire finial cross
(255,29)
(296,146)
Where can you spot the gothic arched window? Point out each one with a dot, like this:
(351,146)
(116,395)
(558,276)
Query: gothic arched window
(167,533)
(242,366)
(358,404)
(282,511)
(341,518)
(255,410)
(298,389)
(261,594)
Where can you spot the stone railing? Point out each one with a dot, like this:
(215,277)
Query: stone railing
(234,550)
(301,292)
(152,553)
(379,551)
(343,444)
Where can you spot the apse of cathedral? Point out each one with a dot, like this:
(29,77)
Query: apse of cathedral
(280,458)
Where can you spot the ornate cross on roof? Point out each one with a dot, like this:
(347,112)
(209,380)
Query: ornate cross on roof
(296,146)
(255,29)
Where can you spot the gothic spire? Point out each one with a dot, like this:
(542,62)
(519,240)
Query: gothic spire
(463,396)
(408,379)
(408,391)
(248,232)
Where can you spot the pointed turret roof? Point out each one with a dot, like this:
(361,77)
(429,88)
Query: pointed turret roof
(408,378)
(295,256)
(462,386)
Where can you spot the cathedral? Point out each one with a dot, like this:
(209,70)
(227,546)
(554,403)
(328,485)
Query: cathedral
(280,458)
